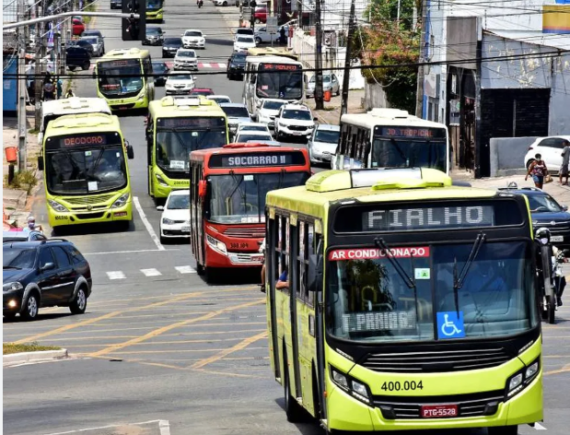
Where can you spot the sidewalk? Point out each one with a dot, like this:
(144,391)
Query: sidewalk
(331,113)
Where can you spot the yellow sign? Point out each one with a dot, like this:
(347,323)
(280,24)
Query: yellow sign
(556,19)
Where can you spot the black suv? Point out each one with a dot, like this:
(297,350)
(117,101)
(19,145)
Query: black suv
(170,46)
(44,274)
(77,57)
(236,66)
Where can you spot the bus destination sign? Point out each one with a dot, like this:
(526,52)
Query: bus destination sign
(120,63)
(251,160)
(84,140)
(410,132)
(192,122)
(279,67)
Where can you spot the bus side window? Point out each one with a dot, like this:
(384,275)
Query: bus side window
(149,139)
(301,228)
(147,67)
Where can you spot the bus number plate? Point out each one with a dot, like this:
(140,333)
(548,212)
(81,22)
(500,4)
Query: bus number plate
(239,245)
(439,411)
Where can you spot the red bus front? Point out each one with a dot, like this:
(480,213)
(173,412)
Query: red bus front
(229,205)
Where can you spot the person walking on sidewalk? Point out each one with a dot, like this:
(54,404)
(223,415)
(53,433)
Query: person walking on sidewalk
(538,170)
(565,161)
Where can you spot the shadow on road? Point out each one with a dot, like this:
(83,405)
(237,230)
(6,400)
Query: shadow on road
(41,317)
(89,229)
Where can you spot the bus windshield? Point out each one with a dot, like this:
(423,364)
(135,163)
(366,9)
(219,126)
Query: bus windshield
(153,5)
(84,170)
(371,301)
(120,78)
(237,199)
(278,83)
(396,153)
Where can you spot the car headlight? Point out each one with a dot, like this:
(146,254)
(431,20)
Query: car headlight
(216,245)
(355,388)
(522,378)
(161,180)
(12,286)
(167,221)
(121,200)
(57,206)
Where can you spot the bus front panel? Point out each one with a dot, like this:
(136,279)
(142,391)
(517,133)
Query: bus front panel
(122,84)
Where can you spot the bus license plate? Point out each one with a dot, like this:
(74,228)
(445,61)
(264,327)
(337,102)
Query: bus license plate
(186,229)
(439,411)
(556,238)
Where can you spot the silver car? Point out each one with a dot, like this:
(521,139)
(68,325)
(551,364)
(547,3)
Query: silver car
(97,43)
(330,83)
(237,113)
(323,142)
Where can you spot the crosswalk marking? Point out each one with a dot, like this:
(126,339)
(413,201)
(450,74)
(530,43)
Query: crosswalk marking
(116,275)
(151,272)
(185,269)
(205,65)
(213,65)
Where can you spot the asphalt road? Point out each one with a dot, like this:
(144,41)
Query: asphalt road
(159,351)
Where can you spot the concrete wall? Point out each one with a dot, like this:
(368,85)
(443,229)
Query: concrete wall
(462,41)
(507,155)
(559,115)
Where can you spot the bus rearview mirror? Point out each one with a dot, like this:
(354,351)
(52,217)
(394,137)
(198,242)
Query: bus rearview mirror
(130,152)
(202,188)
(40,163)
(315,273)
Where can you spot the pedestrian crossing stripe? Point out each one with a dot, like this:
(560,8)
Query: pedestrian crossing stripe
(117,274)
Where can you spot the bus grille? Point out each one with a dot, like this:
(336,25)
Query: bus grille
(96,199)
(468,405)
(90,215)
(446,361)
(246,233)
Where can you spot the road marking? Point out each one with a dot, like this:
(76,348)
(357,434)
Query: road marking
(116,275)
(185,269)
(161,423)
(565,369)
(167,328)
(240,346)
(131,252)
(150,272)
(147,224)
(164,427)
(159,352)
(66,328)
(205,65)
(538,426)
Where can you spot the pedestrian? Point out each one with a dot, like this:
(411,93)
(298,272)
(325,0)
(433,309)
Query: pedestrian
(283,38)
(69,93)
(49,91)
(565,161)
(262,251)
(59,88)
(538,170)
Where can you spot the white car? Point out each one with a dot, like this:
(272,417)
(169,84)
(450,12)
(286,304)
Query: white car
(253,136)
(185,60)
(294,120)
(193,38)
(244,43)
(179,83)
(550,148)
(175,219)
(268,110)
(225,2)
(219,98)
(252,126)
(323,142)
(261,34)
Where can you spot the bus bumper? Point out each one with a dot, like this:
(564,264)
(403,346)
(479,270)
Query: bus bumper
(124,213)
(349,414)
(217,258)
(138,102)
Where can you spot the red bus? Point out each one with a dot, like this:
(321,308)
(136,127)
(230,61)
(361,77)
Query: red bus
(228,187)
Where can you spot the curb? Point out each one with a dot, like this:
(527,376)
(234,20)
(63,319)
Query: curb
(28,357)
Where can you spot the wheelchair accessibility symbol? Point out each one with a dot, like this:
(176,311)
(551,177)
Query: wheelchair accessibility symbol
(450,325)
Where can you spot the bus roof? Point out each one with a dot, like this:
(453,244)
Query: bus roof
(185,106)
(388,117)
(73,105)
(272,59)
(83,123)
(128,53)
(270,51)
(370,185)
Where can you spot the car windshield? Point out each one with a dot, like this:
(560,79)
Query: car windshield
(192,33)
(220,99)
(245,39)
(253,137)
(396,153)
(236,112)
(86,170)
(173,42)
(240,198)
(186,53)
(303,115)
(328,136)
(205,92)
(252,128)
(273,105)
(371,302)
(158,67)
(153,31)
(244,32)
(239,59)
(120,78)
(178,202)
(18,258)
(91,40)
(326,79)
(543,203)
(180,77)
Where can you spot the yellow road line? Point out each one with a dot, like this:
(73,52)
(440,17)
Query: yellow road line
(231,375)
(154,343)
(241,345)
(149,352)
(176,334)
(167,328)
(565,369)
(103,317)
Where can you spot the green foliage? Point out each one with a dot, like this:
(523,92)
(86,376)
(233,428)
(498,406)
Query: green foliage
(24,180)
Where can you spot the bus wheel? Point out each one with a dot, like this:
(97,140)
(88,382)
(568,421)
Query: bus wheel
(293,410)
(199,269)
(503,430)
(552,311)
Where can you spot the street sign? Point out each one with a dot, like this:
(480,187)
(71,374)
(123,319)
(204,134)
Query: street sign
(271,25)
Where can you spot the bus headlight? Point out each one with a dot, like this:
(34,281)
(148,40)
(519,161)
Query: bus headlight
(216,245)
(521,379)
(121,201)
(161,180)
(355,388)
(57,206)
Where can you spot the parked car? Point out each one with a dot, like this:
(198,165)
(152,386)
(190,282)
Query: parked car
(22,236)
(194,38)
(179,83)
(170,46)
(226,2)
(294,120)
(546,212)
(175,219)
(95,32)
(153,36)
(252,136)
(551,150)
(260,14)
(261,35)
(330,83)
(85,45)
(323,142)
(236,65)
(245,31)
(268,111)
(237,113)
(185,60)
(97,44)
(160,71)
(244,43)
(44,274)
(252,126)
(77,57)
(77,26)
(116,4)
(219,98)
(202,91)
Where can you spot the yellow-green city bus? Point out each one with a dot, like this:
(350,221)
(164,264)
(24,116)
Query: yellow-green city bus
(154,11)
(397,301)
(86,175)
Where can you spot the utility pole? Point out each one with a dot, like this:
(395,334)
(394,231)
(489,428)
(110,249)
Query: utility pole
(422,58)
(347,60)
(319,103)
(22,126)
(38,70)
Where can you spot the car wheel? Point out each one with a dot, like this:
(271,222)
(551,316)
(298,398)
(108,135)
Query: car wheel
(224,3)
(31,306)
(72,67)
(79,303)
(258,40)
(86,65)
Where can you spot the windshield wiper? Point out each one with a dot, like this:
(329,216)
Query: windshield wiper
(403,274)
(400,151)
(459,280)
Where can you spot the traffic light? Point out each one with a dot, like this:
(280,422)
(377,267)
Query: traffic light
(134,29)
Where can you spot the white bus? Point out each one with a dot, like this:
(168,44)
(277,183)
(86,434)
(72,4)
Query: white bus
(272,76)
(70,106)
(391,138)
